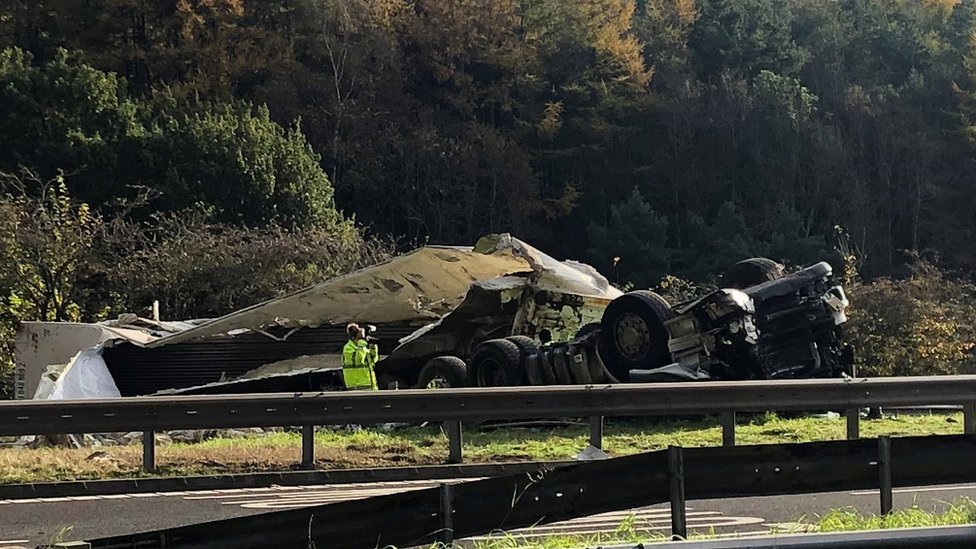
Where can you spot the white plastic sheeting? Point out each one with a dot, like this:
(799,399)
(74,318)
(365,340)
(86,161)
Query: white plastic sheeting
(86,376)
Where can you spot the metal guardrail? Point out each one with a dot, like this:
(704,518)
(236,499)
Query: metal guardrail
(151,414)
(421,517)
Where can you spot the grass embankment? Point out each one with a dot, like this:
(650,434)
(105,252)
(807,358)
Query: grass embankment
(962,511)
(428,446)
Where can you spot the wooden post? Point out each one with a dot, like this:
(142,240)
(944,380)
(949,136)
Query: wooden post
(447,514)
(884,473)
(853,424)
(149,451)
(969,418)
(454,440)
(308,446)
(728,429)
(596,432)
(676,475)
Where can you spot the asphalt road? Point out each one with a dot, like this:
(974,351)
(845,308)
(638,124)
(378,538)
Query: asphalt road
(39,521)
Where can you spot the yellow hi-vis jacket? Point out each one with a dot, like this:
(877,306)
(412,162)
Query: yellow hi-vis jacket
(358,359)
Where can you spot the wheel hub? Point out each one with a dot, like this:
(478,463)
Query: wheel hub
(632,337)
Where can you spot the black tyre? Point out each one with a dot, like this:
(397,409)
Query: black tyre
(533,369)
(750,272)
(632,333)
(443,371)
(587,329)
(495,363)
(578,366)
(547,367)
(527,347)
(561,366)
(594,366)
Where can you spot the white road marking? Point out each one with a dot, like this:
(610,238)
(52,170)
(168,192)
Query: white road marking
(13,541)
(949,488)
(656,518)
(651,519)
(366,488)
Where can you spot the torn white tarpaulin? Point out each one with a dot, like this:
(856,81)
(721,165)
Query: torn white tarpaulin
(548,273)
(417,287)
(42,344)
(85,376)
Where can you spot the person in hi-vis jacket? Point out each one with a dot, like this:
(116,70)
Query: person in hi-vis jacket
(359,357)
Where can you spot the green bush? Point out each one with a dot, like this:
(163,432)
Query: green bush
(196,268)
(61,261)
(921,325)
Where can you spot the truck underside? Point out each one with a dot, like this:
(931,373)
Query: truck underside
(765,325)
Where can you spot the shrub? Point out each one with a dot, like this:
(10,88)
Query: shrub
(200,269)
(921,325)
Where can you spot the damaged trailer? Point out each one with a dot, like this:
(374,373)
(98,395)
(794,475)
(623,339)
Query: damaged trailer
(459,316)
(292,343)
(766,324)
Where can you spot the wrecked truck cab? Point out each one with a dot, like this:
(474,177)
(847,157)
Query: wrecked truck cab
(787,327)
(772,325)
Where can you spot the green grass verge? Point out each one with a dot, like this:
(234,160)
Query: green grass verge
(428,446)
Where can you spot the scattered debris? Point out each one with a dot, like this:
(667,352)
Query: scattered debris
(592,453)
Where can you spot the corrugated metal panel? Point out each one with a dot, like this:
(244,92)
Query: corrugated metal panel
(142,371)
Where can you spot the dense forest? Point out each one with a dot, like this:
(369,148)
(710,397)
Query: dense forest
(209,153)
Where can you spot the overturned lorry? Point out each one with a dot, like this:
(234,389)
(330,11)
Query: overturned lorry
(764,324)
(458,316)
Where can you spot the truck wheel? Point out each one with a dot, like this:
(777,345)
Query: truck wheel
(533,369)
(443,372)
(578,367)
(527,347)
(547,367)
(587,329)
(594,365)
(495,363)
(561,365)
(753,271)
(633,335)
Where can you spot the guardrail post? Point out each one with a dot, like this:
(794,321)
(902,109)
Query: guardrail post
(308,446)
(149,451)
(969,418)
(853,424)
(447,514)
(884,473)
(596,432)
(676,475)
(454,440)
(728,428)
